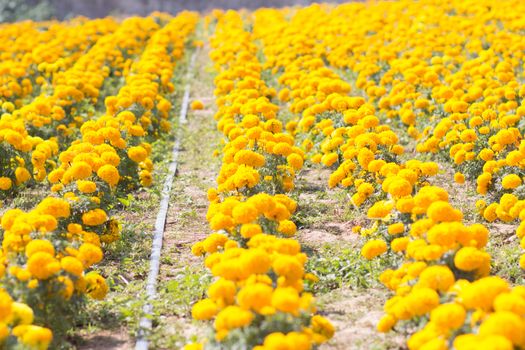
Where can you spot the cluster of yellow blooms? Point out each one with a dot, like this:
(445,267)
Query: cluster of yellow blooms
(257,299)
(28,146)
(63,109)
(459,96)
(49,251)
(360,79)
(30,65)
(33,52)
(365,90)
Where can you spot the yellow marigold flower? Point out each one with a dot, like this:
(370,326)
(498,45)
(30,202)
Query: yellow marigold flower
(222,292)
(292,340)
(67,287)
(358,199)
(286,227)
(94,217)
(194,346)
(42,265)
(204,309)
(22,314)
(286,299)
(86,186)
(399,187)
(5,183)
(364,157)
(512,302)
(212,194)
(329,159)
(437,277)
(380,209)
(311,277)
(486,154)
(33,336)
(399,244)
(365,188)
(78,171)
(250,230)
(405,205)
(110,158)
(245,176)
(283,149)
(96,286)
(489,213)
(109,174)
(323,327)
(250,158)
(396,228)
(317,158)
(197,105)
(479,235)
(213,242)
(231,317)
(198,249)
(279,212)
(474,341)
(6,305)
(443,211)
(245,213)
(289,267)
(398,149)
(429,168)
(32,284)
(295,161)
(373,248)
(39,245)
(137,154)
(511,181)
(137,130)
(8,106)
(422,300)
(89,254)
(482,293)
(448,316)
(146,179)
(504,323)
(386,323)
(459,178)
(22,175)
(72,265)
(257,296)
(221,222)
(470,258)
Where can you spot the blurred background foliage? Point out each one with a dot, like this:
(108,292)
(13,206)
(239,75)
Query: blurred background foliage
(16,10)
(19,10)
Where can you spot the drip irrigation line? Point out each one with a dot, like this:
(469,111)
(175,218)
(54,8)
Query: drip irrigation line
(145,324)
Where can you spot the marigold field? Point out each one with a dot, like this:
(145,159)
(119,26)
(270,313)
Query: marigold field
(349,177)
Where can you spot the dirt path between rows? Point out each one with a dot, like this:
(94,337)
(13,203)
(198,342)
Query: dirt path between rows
(183,278)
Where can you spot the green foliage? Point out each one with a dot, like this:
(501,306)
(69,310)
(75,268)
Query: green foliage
(188,286)
(347,267)
(506,256)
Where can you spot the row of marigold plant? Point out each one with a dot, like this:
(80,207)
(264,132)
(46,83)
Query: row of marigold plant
(50,253)
(257,299)
(33,133)
(33,52)
(442,286)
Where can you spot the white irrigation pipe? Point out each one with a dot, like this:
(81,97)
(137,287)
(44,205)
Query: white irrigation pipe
(145,324)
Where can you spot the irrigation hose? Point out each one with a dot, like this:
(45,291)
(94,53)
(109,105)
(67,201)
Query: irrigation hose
(145,324)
